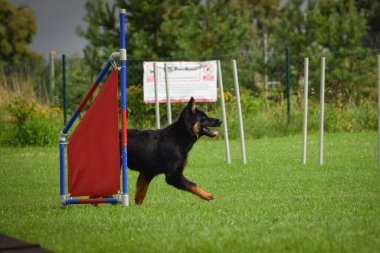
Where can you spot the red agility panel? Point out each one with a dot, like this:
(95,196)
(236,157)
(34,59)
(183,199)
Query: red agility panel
(93,149)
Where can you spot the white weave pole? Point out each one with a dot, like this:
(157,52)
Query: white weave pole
(322,112)
(157,105)
(378,105)
(224,117)
(168,105)
(241,129)
(305,97)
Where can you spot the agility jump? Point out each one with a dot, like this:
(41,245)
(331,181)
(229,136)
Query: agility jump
(95,147)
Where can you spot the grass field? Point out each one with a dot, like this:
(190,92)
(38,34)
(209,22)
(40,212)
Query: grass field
(273,204)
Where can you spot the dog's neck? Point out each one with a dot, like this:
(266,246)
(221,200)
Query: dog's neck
(182,134)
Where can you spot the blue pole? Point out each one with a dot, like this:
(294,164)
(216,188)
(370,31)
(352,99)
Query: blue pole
(103,72)
(89,201)
(62,170)
(123,64)
(62,135)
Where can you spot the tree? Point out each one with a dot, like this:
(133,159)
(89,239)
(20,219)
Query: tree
(371,11)
(208,29)
(159,29)
(146,35)
(101,33)
(145,39)
(330,28)
(17,27)
(264,15)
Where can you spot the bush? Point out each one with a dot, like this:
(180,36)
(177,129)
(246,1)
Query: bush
(29,124)
(263,117)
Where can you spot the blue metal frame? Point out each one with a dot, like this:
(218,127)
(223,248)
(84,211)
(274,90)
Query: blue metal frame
(62,175)
(62,136)
(87,201)
(123,71)
(78,111)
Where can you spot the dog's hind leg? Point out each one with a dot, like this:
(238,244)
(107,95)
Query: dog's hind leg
(180,182)
(142,187)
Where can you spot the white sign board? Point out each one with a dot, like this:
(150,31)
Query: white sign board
(185,80)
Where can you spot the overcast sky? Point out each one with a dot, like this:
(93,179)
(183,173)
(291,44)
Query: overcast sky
(56,24)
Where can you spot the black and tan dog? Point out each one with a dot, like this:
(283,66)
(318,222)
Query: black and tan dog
(165,151)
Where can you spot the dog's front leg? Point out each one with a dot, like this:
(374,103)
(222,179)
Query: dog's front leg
(180,182)
(142,187)
(199,192)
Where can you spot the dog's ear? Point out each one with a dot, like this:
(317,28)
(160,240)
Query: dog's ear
(191,104)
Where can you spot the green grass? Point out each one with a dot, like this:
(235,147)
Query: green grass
(274,204)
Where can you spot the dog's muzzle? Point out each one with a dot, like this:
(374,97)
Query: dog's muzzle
(209,132)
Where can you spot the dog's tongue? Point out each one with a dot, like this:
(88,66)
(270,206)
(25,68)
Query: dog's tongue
(211,132)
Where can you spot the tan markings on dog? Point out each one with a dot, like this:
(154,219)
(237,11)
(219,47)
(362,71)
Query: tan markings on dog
(196,129)
(193,108)
(199,192)
(141,189)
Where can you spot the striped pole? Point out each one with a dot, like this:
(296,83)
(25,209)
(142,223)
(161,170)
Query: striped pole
(87,97)
(92,201)
(157,104)
(305,97)
(123,72)
(322,112)
(168,105)
(241,129)
(226,142)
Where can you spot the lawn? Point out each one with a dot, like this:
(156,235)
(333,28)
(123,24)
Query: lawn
(273,204)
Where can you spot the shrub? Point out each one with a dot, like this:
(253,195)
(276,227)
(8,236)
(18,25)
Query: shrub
(263,117)
(29,124)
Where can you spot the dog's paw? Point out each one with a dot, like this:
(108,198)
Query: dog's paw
(208,196)
(138,202)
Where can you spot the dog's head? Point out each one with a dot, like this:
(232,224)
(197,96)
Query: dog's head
(197,122)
